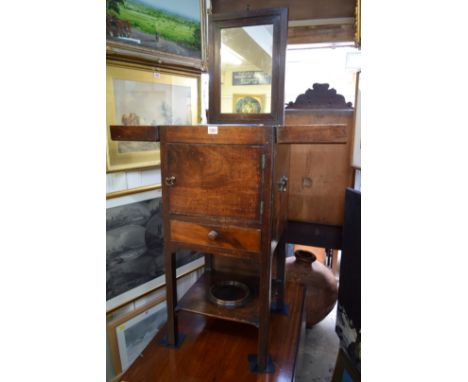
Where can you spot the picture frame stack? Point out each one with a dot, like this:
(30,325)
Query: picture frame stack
(155,54)
(130,333)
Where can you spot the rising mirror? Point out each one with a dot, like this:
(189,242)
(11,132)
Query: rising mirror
(247,52)
(246,69)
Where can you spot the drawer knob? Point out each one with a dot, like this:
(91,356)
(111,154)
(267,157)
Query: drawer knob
(170,181)
(213,235)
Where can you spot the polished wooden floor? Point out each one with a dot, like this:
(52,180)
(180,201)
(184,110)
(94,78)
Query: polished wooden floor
(215,350)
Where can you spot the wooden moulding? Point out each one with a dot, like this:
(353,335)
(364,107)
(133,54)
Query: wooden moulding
(116,51)
(310,34)
(135,133)
(191,134)
(226,134)
(320,96)
(117,194)
(332,133)
(299,9)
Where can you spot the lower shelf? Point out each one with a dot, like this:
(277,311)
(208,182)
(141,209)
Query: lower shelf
(196,299)
(216,350)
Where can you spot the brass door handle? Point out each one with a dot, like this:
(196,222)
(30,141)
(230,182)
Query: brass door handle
(170,181)
(213,235)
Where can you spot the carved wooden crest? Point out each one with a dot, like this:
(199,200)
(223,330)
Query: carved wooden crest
(320,97)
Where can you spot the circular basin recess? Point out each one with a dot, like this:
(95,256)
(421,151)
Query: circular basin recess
(229,293)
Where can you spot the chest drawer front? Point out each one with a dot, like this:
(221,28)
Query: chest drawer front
(215,180)
(247,239)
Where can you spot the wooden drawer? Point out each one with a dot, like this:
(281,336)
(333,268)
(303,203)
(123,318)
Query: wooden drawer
(223,237)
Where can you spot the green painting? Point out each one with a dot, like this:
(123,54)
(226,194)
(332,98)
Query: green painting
(167,26)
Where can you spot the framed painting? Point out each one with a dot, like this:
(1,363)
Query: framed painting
(138,95)
(168,32)
(248,103)
(130,333)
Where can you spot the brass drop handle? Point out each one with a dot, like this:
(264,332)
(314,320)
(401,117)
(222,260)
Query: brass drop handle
(170,181)
(213,235)
(283,184)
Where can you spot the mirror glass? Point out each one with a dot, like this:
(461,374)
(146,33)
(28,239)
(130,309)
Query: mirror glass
(246,69)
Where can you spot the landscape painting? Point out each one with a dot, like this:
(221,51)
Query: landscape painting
(167,26)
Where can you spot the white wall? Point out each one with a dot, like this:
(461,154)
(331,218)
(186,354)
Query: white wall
(126,180)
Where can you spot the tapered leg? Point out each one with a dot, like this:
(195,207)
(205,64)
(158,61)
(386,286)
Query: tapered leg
(208,261)
(280,269)
(171,291)
(264,310)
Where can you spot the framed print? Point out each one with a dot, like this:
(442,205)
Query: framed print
(141,96)
(248,103)
(128,329)
(169,32)
(134,251)
(132,332)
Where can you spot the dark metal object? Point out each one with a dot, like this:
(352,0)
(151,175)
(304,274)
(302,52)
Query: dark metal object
(230,293)
(329,257)
(283,184)
(253,364)
(170,181)
(180,339)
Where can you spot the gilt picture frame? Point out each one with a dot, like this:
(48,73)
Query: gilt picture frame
(169,33)
(141,95)
(357,24)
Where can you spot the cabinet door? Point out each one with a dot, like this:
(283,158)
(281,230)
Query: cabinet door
(215,181)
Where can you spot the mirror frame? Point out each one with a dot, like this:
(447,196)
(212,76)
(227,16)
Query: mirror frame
(278,17)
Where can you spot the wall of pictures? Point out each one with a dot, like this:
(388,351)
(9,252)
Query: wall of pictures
(155,56)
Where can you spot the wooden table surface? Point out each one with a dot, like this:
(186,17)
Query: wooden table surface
(216,350)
